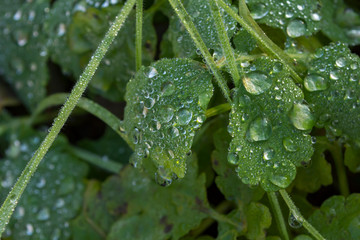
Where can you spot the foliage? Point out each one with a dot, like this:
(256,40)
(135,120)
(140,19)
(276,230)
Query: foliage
(235,103)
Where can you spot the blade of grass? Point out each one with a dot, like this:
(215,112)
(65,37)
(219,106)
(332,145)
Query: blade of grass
(14,195)
(138,37)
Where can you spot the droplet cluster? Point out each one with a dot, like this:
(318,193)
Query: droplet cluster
(166,104)
(269,124)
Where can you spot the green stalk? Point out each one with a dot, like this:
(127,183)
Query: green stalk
(265,43)
(217,110)
(138,38)
(225,42)
(279,218)
(297,215)
(14,195)
(195,35)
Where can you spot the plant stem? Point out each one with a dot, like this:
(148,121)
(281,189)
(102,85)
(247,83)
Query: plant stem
(95,159)
(279,218)
(220,217)
(217,110)
(297,215)
(225,42)
(138,38)
(195,35)
(265,43)
(14,195)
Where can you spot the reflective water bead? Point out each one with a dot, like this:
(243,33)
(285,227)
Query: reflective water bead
(314,82)
(260,129)
(280,181)
(43,214)
(340,62)
(174,132)
(152,72)
(233,158)
(184,116)
(289,144)
(166,113)
(301,117)
(256,82)
(268,154)
(167,88)
(296,28)
(293,222)
(334,75)
(258,10)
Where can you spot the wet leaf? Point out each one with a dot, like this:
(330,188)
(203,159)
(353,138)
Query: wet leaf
(351,157)
(296,17)
(338,217)
(183,45)
(54,195)
(166,104)
(269,124)
(244,42)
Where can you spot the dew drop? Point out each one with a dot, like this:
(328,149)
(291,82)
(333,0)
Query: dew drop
(21,37)
(268,154)
(259,130)
(166,113)
(184,116)
(340,62)
(152,72)
(258,10)
(162,177)
(256,83)
(315,16)
(293,222)
(61,29)
(174,132)
(296,28)
(289,144)
(301,117)
(41,183)
(280,181)
(136,136)
(29,229)
(43,214)
(354,32)
(17,15)
(334,75)
(149,103)
(233,158)
(167,88)
(315,82)
(289,14)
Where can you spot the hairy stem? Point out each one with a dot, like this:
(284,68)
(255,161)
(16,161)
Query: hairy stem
(265,43)
(138,38)
(195,35)
(279,218)
(225,42)
(217,110)
(297,215)
(14,195)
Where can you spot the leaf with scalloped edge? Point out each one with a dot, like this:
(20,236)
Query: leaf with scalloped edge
(269,125)
(183,45)
(166,104)
(338,218)
(23,48)
(54,194)
(332,89)
(296,17)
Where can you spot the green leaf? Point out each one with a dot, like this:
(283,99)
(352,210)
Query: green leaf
(166,104)
(244,42)
(52,198)
(296,17)
(159,212)
(338,218)
(23,48)
(351,157)
(303,237)
(269,124)
(183,45)
(80,33)
(332,89)
(317,174)
(227,180)
(339,22)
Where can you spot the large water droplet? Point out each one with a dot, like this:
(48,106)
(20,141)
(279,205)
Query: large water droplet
(149,103)
(184,116)
(315,16)
(260,129)
(256,83)
(301,117)
(174,132)
(340,62)
(152,72)
(289,144)
(166,113)
(167,88)
(233,158)
(43,214)
(280,181)
(293,222)
(29,229)
(334,75)
(296,28)
(315,82)
(21,37)
(268,154)
(258,10)
(162,177)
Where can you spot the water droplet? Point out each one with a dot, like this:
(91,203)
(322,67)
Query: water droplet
(340,62)
(29,229)
(256,83)
(315,82)
(152,72)
(162,177)
(268,154)
(258,10)
(296,28)
(301,117)
(59,203)
(293,222)
(315,16)
(21,37)
(233,158)
(354,32)
(17,15)
(259,130)
(184,116)
(136,136)
(149,103)
(167,88)
(61,29)
(41,183)
(204,99)
(43,214)
(166,113)
(279,180)
(136,160)
(334,75)
(289,14)
(289,144)
(174,132)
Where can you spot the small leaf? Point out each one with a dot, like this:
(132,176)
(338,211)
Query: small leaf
(338,218)
(54,195)
(269,124)
(296,17)
(317,174)
(166,104)
(352,157)
(332,89)
(183,45)
(23,48)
